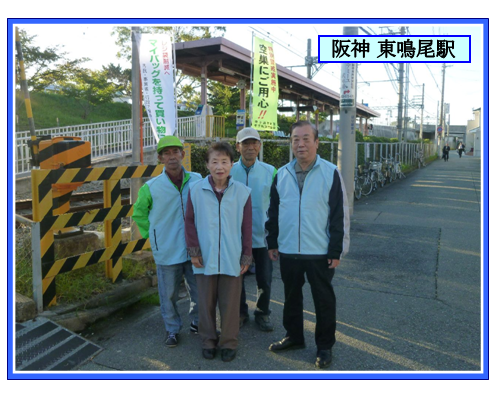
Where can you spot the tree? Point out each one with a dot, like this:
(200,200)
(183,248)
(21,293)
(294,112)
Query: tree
(91,87)
(224,99)
(122,78)
(46,67)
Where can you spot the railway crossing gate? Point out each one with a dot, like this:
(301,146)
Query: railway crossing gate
(45,265)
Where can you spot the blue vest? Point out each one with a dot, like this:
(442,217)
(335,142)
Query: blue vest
(259,179)
(304,219)
(167,219)
(219,226)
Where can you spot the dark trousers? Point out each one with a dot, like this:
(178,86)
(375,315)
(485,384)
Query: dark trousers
(445,156)
(223,291)
(320,277)
(263,274)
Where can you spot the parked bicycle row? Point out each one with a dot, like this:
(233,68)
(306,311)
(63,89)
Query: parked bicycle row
(372,174)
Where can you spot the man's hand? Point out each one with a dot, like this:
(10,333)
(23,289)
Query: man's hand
(273,254)
(197,261)
(244,268)
(333,263)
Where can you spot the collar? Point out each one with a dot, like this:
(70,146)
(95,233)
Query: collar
(247,169)
(209,183)
(293,163)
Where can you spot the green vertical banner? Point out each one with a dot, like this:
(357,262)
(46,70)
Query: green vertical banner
(265,92)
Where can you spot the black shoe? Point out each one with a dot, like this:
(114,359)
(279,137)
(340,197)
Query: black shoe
(194,328)
(171,340)
(286,344)
(324,358)
(209,354)
(264,323)
(228,355)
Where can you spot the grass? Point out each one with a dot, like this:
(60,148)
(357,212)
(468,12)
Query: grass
(151,300)
(48,107)
(78,285)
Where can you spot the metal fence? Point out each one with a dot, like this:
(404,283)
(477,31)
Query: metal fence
(115,137)
(404,152)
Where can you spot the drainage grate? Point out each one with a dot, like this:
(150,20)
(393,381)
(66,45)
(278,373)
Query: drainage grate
(42,345)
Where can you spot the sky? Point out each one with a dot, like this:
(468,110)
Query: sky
(463,82)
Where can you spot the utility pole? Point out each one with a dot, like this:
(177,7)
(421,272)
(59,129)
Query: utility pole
(346,147)
(401,90)
(442,110)
(422,108)
(309,55)
(135,183)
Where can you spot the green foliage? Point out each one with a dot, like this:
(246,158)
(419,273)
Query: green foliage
(82,284)
(91,87)
(46,67)
(134,270)
(197,157)
(151,300)
(121,78)
(225,100)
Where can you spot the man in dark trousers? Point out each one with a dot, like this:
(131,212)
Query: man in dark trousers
(460,149)
(308,230)
(258,176)
(446,150)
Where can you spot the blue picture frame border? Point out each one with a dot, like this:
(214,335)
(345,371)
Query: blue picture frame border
(484,374)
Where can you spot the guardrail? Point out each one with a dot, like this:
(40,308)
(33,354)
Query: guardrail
(45,264)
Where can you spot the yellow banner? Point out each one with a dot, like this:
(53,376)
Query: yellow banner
(265,87)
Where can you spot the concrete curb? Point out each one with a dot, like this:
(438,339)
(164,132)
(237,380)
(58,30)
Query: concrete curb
(77,317)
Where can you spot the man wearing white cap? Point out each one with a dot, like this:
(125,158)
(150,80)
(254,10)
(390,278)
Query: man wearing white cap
(258,176)
(160,215)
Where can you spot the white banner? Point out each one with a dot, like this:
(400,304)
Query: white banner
(157,74)
(348,85)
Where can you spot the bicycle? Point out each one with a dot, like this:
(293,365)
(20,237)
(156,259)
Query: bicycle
(378,177)
(357,184)
(418,155)
(389,171)
(398,169)
(365,180)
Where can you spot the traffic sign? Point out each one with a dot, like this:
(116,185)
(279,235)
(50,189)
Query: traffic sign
(439,129)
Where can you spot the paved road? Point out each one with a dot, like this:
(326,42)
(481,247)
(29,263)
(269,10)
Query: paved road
(409,292)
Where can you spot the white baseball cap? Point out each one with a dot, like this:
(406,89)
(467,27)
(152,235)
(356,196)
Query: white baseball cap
(247,133)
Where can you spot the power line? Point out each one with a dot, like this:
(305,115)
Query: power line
(268,35)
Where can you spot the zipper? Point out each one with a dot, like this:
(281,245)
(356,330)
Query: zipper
(299,210)
(299,225)
(219,252)
(155,240)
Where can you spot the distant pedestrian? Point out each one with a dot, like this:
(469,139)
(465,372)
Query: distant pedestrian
(446,150)
(160,215)
(219,240)
(461,149)
(258,176)
(308,229)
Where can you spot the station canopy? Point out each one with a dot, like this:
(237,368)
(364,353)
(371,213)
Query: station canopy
(228,63)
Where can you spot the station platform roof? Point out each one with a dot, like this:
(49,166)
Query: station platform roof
(228,63)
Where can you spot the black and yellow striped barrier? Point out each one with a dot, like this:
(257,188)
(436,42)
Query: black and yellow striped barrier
(44,214)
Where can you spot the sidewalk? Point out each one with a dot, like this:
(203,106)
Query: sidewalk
(408,293)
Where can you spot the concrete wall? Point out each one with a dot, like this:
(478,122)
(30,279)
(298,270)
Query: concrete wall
(472,124)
